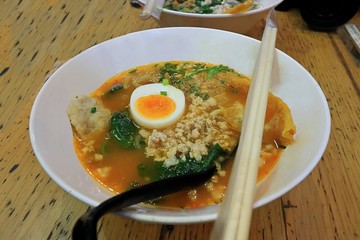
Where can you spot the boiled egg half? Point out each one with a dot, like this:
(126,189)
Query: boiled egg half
(157,105)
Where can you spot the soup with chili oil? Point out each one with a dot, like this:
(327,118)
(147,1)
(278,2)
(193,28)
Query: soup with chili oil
(162,119)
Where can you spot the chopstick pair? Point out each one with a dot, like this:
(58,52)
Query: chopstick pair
(234,218)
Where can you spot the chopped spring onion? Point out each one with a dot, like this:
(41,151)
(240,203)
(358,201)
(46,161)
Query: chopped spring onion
(165,82)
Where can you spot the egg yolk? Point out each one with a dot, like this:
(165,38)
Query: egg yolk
(155,106)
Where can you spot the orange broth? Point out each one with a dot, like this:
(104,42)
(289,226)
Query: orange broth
(124,163)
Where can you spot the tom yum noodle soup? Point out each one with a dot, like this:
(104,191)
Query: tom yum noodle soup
(162,119)
(212,6)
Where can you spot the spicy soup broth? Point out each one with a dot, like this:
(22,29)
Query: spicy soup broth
(120,169)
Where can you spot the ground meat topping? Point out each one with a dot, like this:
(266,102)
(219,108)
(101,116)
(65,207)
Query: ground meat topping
(200,128)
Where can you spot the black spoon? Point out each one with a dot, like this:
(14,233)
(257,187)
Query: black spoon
(86,226)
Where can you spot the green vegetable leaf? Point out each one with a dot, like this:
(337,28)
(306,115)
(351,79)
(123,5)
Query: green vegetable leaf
(190,165)
(123,129)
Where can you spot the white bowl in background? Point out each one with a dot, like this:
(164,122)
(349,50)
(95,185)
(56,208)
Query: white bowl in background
(239,23)
(51,134)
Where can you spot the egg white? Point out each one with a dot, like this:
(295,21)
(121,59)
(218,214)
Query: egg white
(156,88)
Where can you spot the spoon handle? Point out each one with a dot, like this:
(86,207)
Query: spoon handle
(86,226)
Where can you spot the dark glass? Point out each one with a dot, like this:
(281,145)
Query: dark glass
(323,15)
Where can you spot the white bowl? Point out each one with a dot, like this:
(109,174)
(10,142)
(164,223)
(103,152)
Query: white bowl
(51,134)
(239,23)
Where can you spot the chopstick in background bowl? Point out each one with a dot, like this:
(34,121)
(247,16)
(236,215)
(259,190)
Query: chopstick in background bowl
(152,8)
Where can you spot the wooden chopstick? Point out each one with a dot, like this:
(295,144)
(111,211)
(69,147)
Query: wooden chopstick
(234,217)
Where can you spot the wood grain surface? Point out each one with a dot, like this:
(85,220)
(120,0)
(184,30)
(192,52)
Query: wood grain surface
(38,36)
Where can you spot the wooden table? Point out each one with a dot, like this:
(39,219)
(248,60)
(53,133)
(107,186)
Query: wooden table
(37,36)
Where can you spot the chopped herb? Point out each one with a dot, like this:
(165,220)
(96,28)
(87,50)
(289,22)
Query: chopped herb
(164,93)
(217,69)
(206,96)
(103,147)
(234,89)
(116,88)
(141,167)
(93,110)
(165,82)
(210,70)
(195,90)
(172,72)
(133,70)
(180,74)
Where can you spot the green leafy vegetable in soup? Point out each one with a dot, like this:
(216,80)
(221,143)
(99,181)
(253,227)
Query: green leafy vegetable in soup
(123,129)
(191,165)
